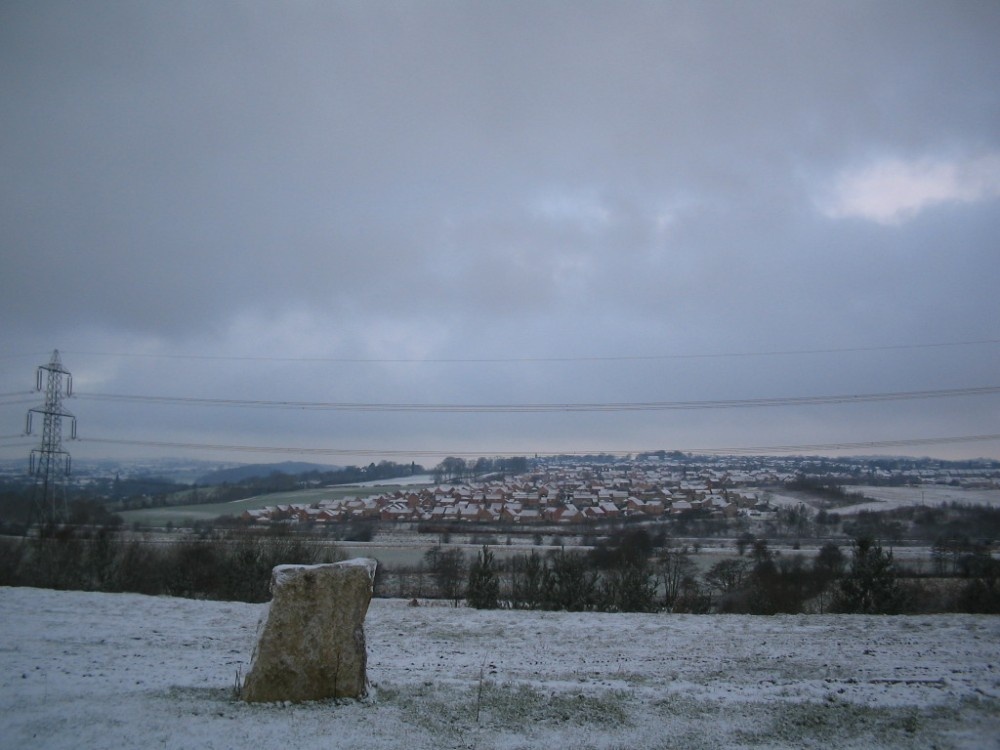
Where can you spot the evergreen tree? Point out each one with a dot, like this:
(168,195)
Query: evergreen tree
(629,587)
(571,586)
(530,581)
(484,587)
(871,586)
(981,594)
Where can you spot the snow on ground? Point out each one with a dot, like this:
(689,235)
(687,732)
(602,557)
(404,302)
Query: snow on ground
(85,670)
(412,480)
(891,498)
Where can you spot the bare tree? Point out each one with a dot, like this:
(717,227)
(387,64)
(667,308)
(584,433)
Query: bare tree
(447,567)
(675,568)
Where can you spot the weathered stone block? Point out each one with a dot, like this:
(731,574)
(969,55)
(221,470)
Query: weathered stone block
(312,645)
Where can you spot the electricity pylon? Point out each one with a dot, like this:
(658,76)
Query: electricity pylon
(50,490)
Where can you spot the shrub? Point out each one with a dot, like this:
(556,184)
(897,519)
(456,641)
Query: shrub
(871,586)
(628,587)
(483,591)
(981,594)
(12,555)
(447,567)
(571,585)
(529,581)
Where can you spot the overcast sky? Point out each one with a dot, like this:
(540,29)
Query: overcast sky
(472,203)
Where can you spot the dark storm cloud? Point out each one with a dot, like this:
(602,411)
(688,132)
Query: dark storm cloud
(470,180)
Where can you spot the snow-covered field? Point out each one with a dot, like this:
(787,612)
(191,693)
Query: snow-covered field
(83,670)
(893,498)
(414,480)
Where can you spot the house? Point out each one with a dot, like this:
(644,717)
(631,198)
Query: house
(635,505)
(610,509)
(654,508)
(396,512)
(258,515)
(488,513)
(564,513)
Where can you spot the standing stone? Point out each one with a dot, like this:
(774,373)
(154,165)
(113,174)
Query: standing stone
(312,646)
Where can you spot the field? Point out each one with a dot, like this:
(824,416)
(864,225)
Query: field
(84,670)
(890,498)
(179,515)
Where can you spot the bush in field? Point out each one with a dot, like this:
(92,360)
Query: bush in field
(727,576)
(621,549)
(447,568)
(628,587)
(12,556)
(483,591)
(693,598)
(871,586)
(57,560)
(236,566)
(139,569)
(627,582)
(244,570)
(830,562)
(69,557)
(681,592)
(827,567)
(191,569)
(981,593)
(528,581)
(771,585)
(571,582)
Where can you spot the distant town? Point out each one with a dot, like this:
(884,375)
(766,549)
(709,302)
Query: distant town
(573,491)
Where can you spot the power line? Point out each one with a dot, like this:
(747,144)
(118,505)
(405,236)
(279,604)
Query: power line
(910,442)
(16,397)
(15,441)
(18,402)
(515,360)
(270,449)
(368,452)
(548,407)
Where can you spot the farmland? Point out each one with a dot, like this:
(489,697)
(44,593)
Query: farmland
(87,670)
(182,515)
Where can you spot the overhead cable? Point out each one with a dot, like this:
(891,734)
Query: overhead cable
(549,407)
(804,448)
(572,358)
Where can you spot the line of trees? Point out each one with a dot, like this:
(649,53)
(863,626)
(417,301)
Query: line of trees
(627,574)
(453,469)
(17,505)
(232,566)
(278,481)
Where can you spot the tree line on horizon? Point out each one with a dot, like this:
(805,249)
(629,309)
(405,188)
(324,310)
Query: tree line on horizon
(628,574)
(17,509)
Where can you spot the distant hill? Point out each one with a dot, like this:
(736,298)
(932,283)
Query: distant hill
(253,471)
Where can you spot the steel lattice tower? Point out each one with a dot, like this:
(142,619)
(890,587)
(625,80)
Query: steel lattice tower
(50,491)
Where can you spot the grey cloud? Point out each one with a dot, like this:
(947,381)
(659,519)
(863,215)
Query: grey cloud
(515,179)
